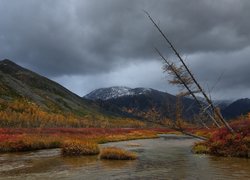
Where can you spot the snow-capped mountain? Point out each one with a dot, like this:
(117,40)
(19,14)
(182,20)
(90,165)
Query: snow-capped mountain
(115,92)
(143,103)
(153,104)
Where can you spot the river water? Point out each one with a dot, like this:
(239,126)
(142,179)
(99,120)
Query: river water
(168,157)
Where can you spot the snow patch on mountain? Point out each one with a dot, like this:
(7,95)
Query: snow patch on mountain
(115,92)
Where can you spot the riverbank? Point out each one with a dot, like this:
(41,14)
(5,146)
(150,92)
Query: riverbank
(20,139)
(221,142)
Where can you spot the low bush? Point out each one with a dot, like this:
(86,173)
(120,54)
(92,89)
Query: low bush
(114,153)
(200,148)
(224,143)
(79,148)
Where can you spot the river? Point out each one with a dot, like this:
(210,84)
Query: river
(168,157)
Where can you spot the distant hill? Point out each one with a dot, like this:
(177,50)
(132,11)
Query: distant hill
(222,104)
(143,103)
(146,103)
(237,108)
(110,93)
(29,99)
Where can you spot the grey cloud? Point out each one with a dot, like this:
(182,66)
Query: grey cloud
(134,75)
(95,39)
(226,73)
(85,37)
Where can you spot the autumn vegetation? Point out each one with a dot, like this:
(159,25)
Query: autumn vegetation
(221,142)
(22,113)
(27,139)
(114,153)
(42,132)
(78,148)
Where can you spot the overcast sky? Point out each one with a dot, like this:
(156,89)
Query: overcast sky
(88,44)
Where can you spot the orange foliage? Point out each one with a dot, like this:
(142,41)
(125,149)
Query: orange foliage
(114,153)
(20,139)
(221,142)
(23,113)
(77,148)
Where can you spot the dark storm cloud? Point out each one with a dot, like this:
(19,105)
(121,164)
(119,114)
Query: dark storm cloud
(81,37)
(224,72)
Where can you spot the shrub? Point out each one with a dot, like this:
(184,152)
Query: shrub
(115,153)
(78,148)
(200,148)
(223,143)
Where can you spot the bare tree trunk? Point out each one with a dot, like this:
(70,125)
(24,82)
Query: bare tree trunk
(186,86)
(193,78)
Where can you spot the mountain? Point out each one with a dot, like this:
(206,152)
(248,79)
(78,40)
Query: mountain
(222,104)
(116,92)
(150,104)
(142,103)
(29,99)
(237,108)
(18,82)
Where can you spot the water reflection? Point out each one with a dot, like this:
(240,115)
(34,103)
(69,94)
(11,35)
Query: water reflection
(118,164)
(235,168)
(79,161)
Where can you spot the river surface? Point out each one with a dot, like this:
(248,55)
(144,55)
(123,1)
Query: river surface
(168,157)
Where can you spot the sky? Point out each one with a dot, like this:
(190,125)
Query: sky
(89,44)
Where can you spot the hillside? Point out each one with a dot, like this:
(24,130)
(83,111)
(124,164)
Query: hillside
(29,99)
(237,108)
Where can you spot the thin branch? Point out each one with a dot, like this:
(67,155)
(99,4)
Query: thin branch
(184,84)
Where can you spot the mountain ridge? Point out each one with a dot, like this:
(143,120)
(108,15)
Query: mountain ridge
(237,108)
(144,103)
(125,102)
(115,92)
(29,99)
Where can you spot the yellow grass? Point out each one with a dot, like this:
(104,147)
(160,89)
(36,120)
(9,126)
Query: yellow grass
(199,148)
(114,153)
(78,148)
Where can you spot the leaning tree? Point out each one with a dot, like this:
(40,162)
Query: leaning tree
(183,77)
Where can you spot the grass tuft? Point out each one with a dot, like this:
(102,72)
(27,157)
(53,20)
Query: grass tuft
(114,153)
(79,148)
(200,148)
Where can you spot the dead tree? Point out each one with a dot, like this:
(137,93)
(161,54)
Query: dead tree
(182,80)
(184,76)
